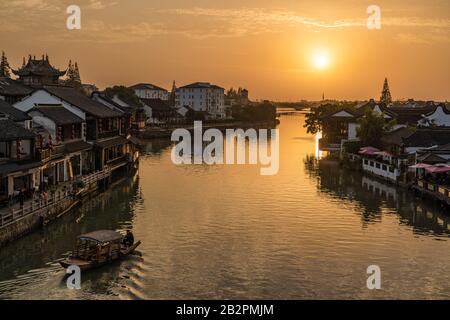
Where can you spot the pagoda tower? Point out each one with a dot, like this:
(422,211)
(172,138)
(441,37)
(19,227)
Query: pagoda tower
(386,97)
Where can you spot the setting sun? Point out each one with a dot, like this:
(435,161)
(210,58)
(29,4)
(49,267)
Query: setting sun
(321,60)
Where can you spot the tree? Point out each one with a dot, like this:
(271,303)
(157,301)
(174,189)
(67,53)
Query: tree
(314,119)
(372,127)
(73,76)
(125,94)
(5,69)
(265,111)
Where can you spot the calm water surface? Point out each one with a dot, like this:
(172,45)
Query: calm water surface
(228,232)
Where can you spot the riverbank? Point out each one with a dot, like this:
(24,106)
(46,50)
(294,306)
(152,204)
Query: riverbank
(37,213)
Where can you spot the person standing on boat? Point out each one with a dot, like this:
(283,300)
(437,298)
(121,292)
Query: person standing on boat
(128,240)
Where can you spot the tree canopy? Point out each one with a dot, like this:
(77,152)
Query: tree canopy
(5,69)
(125,94)
(265,111)
(73,76)
(372,127)
(313,120)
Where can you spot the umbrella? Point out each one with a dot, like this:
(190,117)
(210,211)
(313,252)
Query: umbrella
(368,150)
(438,168)
(420,166)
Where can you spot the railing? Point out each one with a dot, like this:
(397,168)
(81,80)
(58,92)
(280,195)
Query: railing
(436,188)
(45,154)
(37,203)
(96,176)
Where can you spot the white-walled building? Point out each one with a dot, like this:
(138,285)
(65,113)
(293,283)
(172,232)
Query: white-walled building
(150,91)
(202,97)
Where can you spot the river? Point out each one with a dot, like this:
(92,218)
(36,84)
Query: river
(227,232)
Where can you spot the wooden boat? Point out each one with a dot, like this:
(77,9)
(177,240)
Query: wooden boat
(98,248)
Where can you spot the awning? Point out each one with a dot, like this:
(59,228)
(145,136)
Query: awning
(102,236)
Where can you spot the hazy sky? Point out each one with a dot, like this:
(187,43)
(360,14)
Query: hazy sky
(265,46)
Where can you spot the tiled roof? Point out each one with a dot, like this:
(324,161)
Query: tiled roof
(148,86)
(428,138)
(18,166)
(82,102)
(156,104)
(201,85)
(397,136)
(10,87)
(9,130)
(59,114)
(12,113)
(431,158)
(102,98)
(77,146)
(444,147)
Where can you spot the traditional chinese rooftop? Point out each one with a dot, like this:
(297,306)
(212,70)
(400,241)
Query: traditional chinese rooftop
(9,131)
(58,114)
(38,67)
(82,102)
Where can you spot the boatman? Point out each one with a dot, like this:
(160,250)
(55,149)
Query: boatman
(128,240)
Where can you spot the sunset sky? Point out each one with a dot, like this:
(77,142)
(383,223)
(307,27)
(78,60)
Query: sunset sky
(280,50)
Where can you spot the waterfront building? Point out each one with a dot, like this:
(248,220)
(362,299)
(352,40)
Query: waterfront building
(403,148)
(65,153)
(202,97)
(150,91)
(158,111)
(341,126)
(19,161)
(103,125)
(133,117)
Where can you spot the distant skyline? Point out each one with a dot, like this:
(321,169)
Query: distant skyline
(279,50)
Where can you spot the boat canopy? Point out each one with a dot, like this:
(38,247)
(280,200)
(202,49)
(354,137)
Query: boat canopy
(101,236)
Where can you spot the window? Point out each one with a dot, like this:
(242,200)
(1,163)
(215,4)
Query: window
(378,166)
(384,167)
